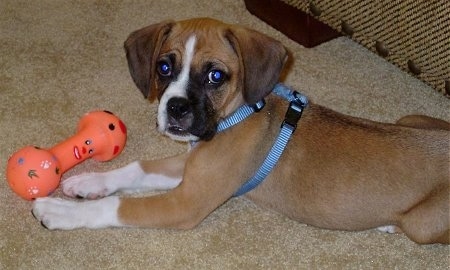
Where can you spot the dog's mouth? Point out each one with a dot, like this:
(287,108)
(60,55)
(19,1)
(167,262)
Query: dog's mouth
(179,126)
(177,130)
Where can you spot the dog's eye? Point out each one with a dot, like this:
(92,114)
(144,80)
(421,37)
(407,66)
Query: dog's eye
(164,68)
(215,77)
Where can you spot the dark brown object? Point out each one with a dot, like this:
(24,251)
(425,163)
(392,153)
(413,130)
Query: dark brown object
(315,10)
(347,29)
(413,67)
(381,48)
(296,24)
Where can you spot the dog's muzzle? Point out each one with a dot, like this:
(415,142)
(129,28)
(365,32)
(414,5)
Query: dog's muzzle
(179,116)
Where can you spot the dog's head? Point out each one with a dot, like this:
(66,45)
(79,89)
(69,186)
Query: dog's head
(201,70)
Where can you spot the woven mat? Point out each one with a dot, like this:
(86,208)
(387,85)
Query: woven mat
(412,34)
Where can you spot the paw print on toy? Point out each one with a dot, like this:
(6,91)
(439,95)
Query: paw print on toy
(45,164)
(33,190)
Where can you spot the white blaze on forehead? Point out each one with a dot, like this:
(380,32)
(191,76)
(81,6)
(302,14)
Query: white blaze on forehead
(178,87)
(180,84)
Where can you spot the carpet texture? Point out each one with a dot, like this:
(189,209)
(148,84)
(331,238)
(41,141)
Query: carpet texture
(60,59)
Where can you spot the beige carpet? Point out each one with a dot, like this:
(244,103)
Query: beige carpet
(60,59)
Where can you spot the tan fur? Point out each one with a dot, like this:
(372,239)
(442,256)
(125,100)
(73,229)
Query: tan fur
(171,167)
(338,172)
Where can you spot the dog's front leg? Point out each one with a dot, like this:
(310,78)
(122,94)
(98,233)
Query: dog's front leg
(203,189)
(56,213)
(138,176)
(209,180)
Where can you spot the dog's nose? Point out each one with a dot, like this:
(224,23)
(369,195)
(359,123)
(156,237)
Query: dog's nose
(178,107)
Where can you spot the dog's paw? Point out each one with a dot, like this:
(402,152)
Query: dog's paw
(55,213)
(89,185)
(389,229)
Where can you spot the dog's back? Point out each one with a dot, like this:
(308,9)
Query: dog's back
(348,173)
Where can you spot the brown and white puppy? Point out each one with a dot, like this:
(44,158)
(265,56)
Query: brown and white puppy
(338,172)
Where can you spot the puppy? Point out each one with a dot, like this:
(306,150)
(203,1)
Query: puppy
(337,172)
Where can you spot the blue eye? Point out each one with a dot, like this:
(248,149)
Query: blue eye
(164,68)
(215,77)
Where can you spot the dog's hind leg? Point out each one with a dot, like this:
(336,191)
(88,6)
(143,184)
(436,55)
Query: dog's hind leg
(428,221)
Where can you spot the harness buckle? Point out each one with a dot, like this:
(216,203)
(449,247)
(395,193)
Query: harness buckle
(294,112)
(258,106)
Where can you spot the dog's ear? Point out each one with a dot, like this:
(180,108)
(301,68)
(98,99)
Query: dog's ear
(261,61)
(142,48)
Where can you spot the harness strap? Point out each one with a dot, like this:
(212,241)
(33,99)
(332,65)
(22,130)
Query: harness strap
(240,114)
(296,106)
(269,163)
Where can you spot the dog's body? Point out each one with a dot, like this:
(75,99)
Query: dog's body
(338,172)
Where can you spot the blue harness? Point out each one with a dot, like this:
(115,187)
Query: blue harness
(297,103)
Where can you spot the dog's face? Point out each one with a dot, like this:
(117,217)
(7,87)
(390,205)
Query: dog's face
(201,70)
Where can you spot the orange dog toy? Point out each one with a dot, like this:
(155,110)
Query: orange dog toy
(33,172)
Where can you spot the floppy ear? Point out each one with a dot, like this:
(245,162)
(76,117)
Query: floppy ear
(142,47)
(261,60)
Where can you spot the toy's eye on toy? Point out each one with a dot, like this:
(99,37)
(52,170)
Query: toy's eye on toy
(88,142)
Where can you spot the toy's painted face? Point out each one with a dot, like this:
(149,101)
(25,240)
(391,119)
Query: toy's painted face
(85,149)
(103,136)
(115,130)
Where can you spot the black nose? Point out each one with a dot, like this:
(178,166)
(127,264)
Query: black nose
(178,107)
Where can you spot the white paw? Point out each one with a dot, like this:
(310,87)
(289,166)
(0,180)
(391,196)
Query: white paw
(55,213)
(88,185)
(389,229)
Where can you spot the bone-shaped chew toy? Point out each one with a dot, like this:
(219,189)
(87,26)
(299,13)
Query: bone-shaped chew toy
(34,172)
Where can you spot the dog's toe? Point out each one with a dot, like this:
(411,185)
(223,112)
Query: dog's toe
(43,224)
